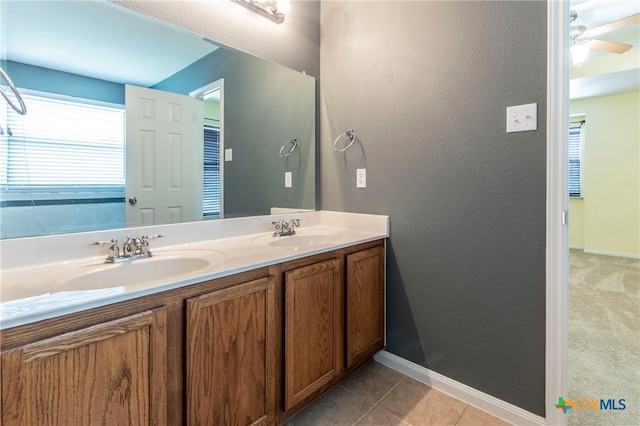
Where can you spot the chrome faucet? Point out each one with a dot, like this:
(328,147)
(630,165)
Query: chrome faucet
(132,249)
(282,228)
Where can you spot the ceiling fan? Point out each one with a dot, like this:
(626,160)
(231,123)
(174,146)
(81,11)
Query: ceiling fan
(583,39)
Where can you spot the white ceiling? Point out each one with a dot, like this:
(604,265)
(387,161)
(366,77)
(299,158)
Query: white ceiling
(605,73)
(98,39)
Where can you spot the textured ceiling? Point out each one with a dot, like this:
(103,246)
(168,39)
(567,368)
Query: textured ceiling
(99,40)
(104,41)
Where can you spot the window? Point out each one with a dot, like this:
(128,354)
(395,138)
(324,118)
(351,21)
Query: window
(211,190)
(63,147)
(575,159)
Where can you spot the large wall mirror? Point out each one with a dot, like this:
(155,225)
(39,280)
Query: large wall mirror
(160,125)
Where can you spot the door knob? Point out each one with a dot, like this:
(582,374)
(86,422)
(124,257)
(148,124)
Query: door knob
(133,201)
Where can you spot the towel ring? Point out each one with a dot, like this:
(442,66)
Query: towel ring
(294,144)
(22,109)
(351,135)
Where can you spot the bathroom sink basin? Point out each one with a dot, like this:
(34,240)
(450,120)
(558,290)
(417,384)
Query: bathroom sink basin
(300,240)
(161,267)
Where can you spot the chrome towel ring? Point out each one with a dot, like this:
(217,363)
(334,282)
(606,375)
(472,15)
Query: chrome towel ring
(351,135)
(22,109)
(294,143)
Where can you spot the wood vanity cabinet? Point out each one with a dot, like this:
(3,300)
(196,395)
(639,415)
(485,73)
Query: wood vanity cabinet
(333,319)
(365,305)
(247,349)
(313,329)
(111,373)
(231,355)
(200,354)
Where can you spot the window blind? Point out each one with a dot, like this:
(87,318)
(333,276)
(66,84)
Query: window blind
(575,159)
(211,190)
(64,146)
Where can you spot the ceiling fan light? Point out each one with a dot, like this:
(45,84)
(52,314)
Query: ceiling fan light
(579,53)
(283,6)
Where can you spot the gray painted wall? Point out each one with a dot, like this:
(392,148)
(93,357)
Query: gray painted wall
(265,106)
(425,85)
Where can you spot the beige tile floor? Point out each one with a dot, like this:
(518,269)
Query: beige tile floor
(376,395)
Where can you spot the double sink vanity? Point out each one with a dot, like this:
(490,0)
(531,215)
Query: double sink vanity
(224,323)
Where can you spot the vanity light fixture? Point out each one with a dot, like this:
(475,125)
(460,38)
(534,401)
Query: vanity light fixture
(270,9)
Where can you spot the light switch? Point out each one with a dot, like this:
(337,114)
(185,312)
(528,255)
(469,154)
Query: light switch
(361,178)
(287,179)
(522,118)
(228,154)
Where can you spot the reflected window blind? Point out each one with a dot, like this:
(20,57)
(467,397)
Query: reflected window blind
(62,146)
(575,159)
(211,192)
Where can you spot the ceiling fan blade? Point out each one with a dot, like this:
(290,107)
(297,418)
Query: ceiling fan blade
(615,25)
(609,46)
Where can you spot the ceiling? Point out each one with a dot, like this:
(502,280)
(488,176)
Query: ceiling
(99,40)
(68,27)
(607,73)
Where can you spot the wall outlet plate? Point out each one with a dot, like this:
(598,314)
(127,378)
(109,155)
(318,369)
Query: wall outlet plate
(228,154)
(361,178)
(522,118)
(288,178)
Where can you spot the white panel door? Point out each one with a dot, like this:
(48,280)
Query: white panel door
(164,157)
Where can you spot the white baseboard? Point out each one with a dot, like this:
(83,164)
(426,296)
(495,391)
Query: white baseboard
(613,253)
(571,246)
(458,390)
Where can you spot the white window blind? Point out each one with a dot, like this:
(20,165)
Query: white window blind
(575,159)
(211,195)
(62,146)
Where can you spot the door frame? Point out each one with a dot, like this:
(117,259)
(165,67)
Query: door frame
(201,93)
(557,245)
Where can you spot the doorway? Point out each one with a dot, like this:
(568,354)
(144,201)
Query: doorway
(557,208)
(557,258)
(212,95)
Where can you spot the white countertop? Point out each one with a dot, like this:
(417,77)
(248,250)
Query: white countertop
(44,277)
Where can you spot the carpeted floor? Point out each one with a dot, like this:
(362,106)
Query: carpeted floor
(604,337)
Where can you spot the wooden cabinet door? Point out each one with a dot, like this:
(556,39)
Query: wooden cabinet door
(314,323)
(365,304)
(230,355)
(108,374)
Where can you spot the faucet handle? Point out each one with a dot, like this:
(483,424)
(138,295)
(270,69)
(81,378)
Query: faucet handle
(278,226)
(144,242)
(137,245)
(128,247)
(114,250)
(102,242)
(152,237)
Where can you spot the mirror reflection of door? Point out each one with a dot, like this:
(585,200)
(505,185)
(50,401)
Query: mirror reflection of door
(212,195)
(164,133)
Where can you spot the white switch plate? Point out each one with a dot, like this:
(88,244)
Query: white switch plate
(228,154)
(361,178)
(287,179)
(522,118)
